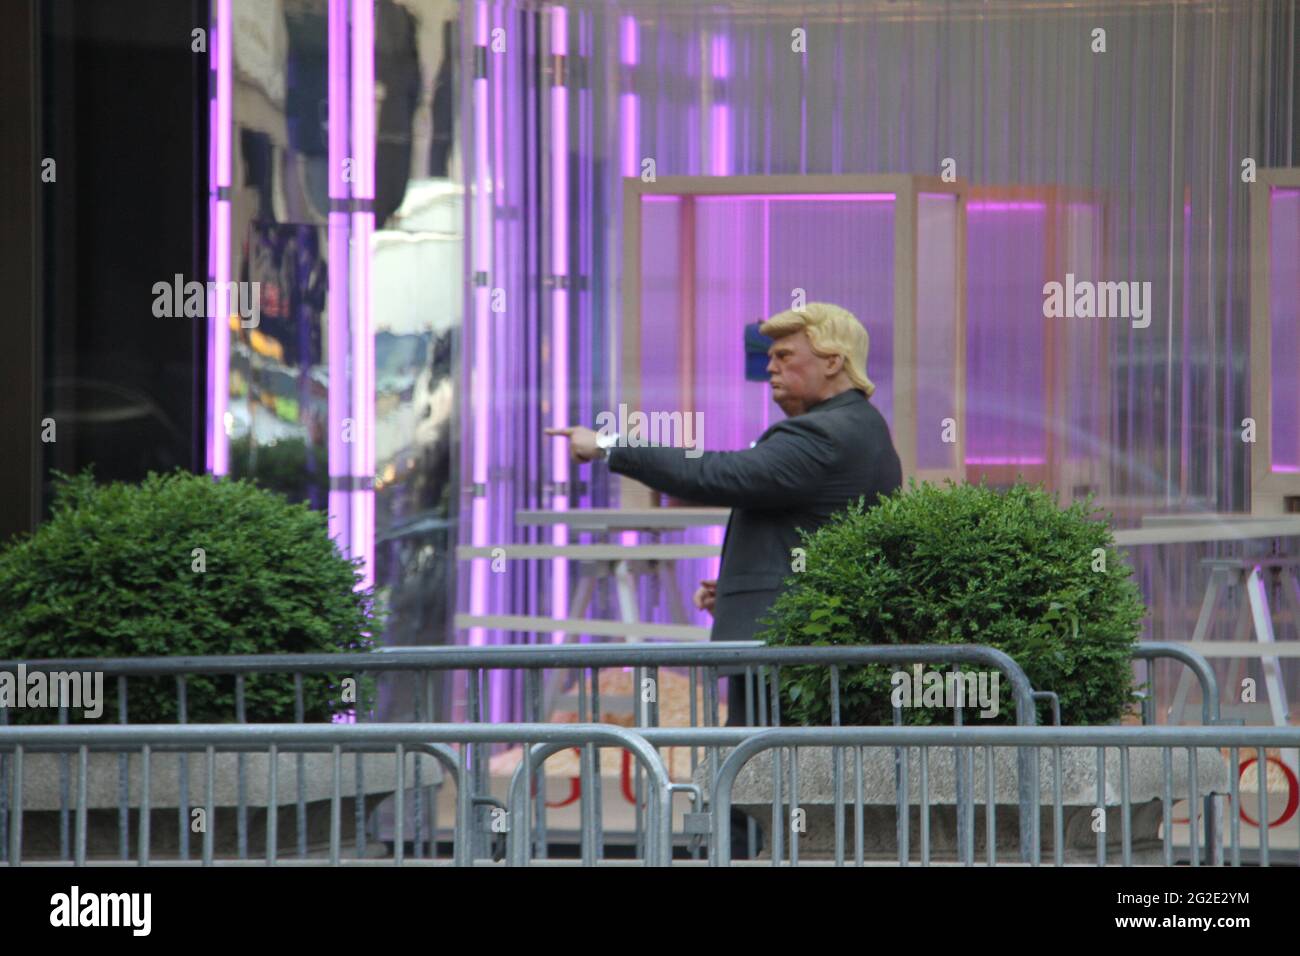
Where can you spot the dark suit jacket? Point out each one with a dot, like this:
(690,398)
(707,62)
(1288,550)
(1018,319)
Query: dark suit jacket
(802,470)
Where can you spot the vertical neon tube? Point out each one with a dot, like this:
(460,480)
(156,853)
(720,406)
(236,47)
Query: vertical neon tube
(720,112)
(337,296)
(218,366)
(362,457)
(629,105)
(480,378)
(559,312)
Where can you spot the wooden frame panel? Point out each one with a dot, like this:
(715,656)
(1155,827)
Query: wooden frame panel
(906,189)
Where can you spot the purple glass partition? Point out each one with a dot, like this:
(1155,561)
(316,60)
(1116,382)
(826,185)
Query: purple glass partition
(1284,321)
(710,264)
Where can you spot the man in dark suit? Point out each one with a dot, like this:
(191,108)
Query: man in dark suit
(833,448)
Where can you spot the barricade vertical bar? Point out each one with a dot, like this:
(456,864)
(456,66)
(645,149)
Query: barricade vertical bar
(539,772)
(475,758)
(241,820)
(753,692)
(1193,807)
(1126,823)
(4,792)
(83,772)
(759,700)
(1168,757)
(123,781)
(1101,802)
(272,803)
(837,769)
(523,839)
(902,811)
(1234,758)
(598,794)
(359,806)
(417,794)
(65,774)
(794,805)
(587,837)
(301,808)
(464,818)
(652,719)
(209,803)
(480,756)
(858,822)
(959,782)
(145,808)
(358,781)
(16,809)
(692,682)
(183,771)
(521,830)
(639,814)
(336,807)
(925,805)
(1058,811)
(399,808)
(970,807)
(990,810)
(778,829)
(431,794)
(1261,775)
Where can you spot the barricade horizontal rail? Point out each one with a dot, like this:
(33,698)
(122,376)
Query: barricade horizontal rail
(148,742)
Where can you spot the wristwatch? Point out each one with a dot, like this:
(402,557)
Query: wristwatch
(606,441)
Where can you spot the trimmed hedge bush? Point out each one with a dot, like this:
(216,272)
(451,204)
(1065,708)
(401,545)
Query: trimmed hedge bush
(963,564)
(116,572)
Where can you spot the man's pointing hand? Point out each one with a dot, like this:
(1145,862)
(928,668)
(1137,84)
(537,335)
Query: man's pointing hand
(582,443)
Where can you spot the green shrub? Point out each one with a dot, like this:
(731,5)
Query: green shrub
(963,565)
(114,573)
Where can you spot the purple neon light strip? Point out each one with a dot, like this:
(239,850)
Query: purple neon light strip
(337,296)
(1005,460)
(720,113)
(480,375)
(1005,206)
(217,440)
(629,104)
(559,312)
(794,197)
(363,224)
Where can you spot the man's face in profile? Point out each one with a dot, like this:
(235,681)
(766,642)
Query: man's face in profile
(798,377)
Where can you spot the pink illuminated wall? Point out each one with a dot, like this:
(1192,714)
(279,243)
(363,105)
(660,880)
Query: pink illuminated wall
(1006,245)
(1284,306)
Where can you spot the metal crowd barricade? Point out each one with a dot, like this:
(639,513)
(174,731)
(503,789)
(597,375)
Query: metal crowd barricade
(151,741)
(543,667)
(923,739)
(1152,651)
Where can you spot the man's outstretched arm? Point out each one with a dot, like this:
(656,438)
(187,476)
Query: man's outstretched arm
(779,472)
